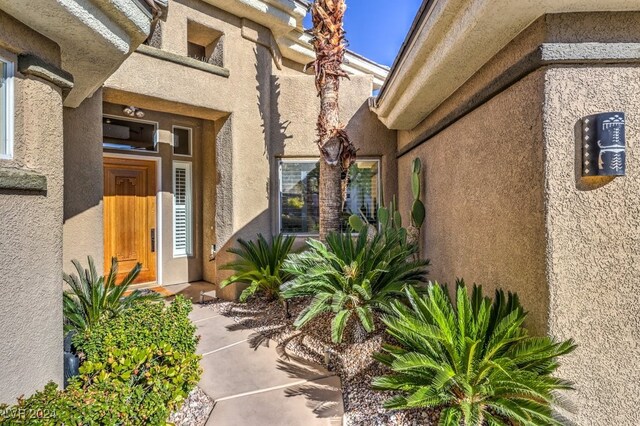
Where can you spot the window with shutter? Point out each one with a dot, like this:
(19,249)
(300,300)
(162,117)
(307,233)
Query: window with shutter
(182,217)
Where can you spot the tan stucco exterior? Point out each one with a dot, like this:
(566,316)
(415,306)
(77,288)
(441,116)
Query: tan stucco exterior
(507,206)
(83,186)
(31,232)
(593,245)
(485,200)
(256,110)
(49,52)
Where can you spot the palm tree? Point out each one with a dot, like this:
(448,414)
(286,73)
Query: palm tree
(336,151)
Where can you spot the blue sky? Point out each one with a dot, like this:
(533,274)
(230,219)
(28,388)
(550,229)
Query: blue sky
(377,28)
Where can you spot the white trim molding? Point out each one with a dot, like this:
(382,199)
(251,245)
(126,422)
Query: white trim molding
(7,121)
(296,46)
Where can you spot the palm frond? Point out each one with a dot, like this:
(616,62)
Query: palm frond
(91,298)
(259,264)
(358,275)
(473,358)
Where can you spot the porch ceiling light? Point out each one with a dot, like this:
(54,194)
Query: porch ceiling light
(604,145)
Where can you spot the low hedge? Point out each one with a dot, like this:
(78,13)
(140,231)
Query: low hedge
(144,325)
(127,377)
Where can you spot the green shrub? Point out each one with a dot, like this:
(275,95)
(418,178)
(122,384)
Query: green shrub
(352,277)
(259,264)
(474,360)
(145,324)
(134,387)
(139,367)
(93,298)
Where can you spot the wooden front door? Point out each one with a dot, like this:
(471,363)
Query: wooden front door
(130,216)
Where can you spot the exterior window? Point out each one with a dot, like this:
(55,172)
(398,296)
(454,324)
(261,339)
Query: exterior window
(182,214)
(6,109)
(128,135)
(299,199)
(181,141)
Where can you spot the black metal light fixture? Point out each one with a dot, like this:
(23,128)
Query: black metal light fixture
(604,145)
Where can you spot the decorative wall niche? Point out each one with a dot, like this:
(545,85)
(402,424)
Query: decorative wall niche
(205,44)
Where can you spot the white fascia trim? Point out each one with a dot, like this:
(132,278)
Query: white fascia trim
(297,47)
(455,40)
(284,19)
(280,16)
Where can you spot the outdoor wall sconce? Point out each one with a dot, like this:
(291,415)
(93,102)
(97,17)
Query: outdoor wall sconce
(132,111)
(604,145)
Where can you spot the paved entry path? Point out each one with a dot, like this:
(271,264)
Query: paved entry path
(252,385)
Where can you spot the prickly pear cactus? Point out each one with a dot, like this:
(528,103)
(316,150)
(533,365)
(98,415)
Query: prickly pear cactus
(418,211)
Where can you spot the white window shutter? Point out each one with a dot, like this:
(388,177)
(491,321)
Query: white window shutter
(182,209)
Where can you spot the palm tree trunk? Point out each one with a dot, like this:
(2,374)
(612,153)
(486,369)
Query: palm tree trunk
(336,151)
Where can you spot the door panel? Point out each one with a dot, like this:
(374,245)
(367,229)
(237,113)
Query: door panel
(130,216)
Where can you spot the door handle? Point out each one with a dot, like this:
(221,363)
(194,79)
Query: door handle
(153,240)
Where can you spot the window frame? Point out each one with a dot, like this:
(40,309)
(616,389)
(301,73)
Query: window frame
(315,160)
(156,138)
(6,147)
(173,140)
(188,166)
(378,179)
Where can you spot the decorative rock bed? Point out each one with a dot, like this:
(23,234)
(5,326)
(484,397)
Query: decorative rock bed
(195,410)
(352,361)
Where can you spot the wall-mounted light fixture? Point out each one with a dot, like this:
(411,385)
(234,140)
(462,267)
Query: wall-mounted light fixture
(132,111)
(604,145)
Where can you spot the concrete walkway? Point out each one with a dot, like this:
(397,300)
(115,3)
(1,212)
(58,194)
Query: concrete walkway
(252,385)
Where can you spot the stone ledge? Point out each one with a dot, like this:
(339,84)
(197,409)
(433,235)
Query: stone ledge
(22,180)
(182,60)
(33,65)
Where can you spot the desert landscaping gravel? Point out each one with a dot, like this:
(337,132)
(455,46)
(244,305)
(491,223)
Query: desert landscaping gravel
(351,361)
(195,410)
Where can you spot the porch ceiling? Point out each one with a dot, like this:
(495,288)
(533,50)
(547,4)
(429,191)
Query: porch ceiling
(121,97)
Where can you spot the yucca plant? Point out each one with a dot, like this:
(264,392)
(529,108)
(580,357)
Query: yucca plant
(352,277)
(474,360)
(259,264)
(92,297)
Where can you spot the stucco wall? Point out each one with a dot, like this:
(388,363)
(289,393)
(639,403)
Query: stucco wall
(593,247)
(484,196)
(506,204)
(83,226)
(31,232)
(260,112)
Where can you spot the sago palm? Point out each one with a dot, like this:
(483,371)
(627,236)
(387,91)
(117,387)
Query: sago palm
(92,297)
(473,360)
(259,264)
(352,277)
